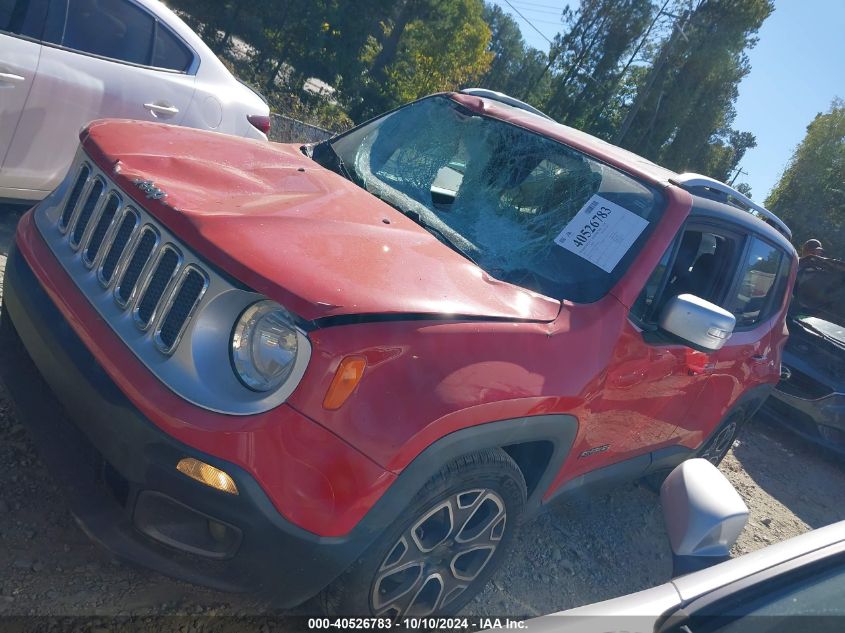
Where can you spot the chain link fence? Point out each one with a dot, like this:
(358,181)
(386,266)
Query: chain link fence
(285,129)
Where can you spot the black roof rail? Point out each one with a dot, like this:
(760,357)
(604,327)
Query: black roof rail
(503,98)
(690,181)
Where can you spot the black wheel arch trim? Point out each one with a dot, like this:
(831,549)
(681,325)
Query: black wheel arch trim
(557,429)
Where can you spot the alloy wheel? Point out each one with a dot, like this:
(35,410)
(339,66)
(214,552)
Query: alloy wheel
(440,555)
(719,445)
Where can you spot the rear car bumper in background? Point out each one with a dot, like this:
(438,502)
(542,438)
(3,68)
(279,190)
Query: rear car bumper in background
(118,468)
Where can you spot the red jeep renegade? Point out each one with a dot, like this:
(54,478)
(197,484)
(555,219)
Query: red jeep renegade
(356,367)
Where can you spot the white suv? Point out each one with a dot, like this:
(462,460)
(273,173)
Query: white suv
(64,63)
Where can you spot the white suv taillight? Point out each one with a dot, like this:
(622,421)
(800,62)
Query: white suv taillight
(260,122)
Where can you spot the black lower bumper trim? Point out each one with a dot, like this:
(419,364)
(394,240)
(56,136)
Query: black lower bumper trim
(106,455)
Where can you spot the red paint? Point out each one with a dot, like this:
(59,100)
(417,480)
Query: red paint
(266,214)
(318,244)
(314,478)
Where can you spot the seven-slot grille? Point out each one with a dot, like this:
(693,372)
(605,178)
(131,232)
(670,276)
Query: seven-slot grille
(145,275)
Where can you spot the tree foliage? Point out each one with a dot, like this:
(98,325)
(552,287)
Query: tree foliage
(810,196)
(588,59)
(659,77)
(516,69)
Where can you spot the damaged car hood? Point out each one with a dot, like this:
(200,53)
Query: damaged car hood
(296,232)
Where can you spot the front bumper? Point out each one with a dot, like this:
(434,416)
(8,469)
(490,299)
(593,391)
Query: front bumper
(118,468)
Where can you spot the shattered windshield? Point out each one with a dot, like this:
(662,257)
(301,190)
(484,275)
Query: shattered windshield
(526,209)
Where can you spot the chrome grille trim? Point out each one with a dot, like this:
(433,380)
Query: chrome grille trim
(109,229)
(128,259)
(167,293)
(186,342)
(80,205)
(113,268)
(93,218)
(83,187)
(168,306)
(106,248)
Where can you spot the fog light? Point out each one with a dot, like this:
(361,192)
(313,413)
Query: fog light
(207,474)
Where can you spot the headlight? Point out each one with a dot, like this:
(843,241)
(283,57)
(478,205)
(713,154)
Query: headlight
(264,346)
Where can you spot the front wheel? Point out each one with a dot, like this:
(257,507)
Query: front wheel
(718,445)
(443,549)
(713,450)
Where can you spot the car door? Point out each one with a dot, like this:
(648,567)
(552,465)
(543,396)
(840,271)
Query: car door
(663,378)
(654,380)
(21,24)
(748,363)
(105,59)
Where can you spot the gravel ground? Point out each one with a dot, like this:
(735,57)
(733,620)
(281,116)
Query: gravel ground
(581,552)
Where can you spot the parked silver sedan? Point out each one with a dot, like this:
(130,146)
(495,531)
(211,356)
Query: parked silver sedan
(64,63)
(793,586)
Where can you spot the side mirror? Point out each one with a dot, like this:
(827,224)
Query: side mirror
(697,321)
(704,515)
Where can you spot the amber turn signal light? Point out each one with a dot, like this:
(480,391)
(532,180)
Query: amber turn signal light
(346,378)
(207,474)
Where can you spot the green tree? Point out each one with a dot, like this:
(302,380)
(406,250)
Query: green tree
(810,196)
(589,57)
(683,112)
(515,67)
(427,46)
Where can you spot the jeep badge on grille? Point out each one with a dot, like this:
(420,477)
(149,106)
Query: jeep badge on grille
(149,188)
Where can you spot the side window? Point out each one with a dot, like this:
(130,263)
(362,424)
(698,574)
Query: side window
(169,52)
(702,266)
(643,309)
(116,29)
(23,17)
(758,287)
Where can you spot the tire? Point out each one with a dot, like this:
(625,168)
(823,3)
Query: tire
(444,547)
(720,442)
(713,450)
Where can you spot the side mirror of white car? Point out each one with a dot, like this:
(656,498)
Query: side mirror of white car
(704,515)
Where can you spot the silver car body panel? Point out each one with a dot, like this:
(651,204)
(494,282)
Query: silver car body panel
(641,612)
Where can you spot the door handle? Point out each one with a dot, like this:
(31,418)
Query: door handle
(11,78)
(760,358)
(165,110)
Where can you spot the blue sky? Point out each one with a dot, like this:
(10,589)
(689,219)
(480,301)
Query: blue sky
(797,68)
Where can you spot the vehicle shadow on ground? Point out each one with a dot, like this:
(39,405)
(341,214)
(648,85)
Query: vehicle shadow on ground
(9,216)
(815,495)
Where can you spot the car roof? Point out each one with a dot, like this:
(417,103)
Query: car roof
(703,207)
(620,158)
(612,154)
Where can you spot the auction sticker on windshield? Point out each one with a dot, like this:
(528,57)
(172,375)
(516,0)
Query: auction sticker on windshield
(601,232)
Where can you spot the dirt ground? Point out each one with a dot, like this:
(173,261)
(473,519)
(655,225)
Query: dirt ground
(581,552)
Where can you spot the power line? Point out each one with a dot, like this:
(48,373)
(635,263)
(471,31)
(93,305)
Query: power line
(548,11)
(538,4)
(527,21)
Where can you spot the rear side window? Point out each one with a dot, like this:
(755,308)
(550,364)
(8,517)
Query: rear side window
(110,28)
(760,290)
(23,17)
(169,52)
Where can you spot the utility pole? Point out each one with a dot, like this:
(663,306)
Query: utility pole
(642,95)
(739,170)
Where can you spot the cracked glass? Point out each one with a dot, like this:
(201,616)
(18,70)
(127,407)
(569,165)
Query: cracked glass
(498,193)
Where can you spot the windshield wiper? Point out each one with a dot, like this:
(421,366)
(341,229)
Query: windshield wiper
(325,155)
(818,331)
